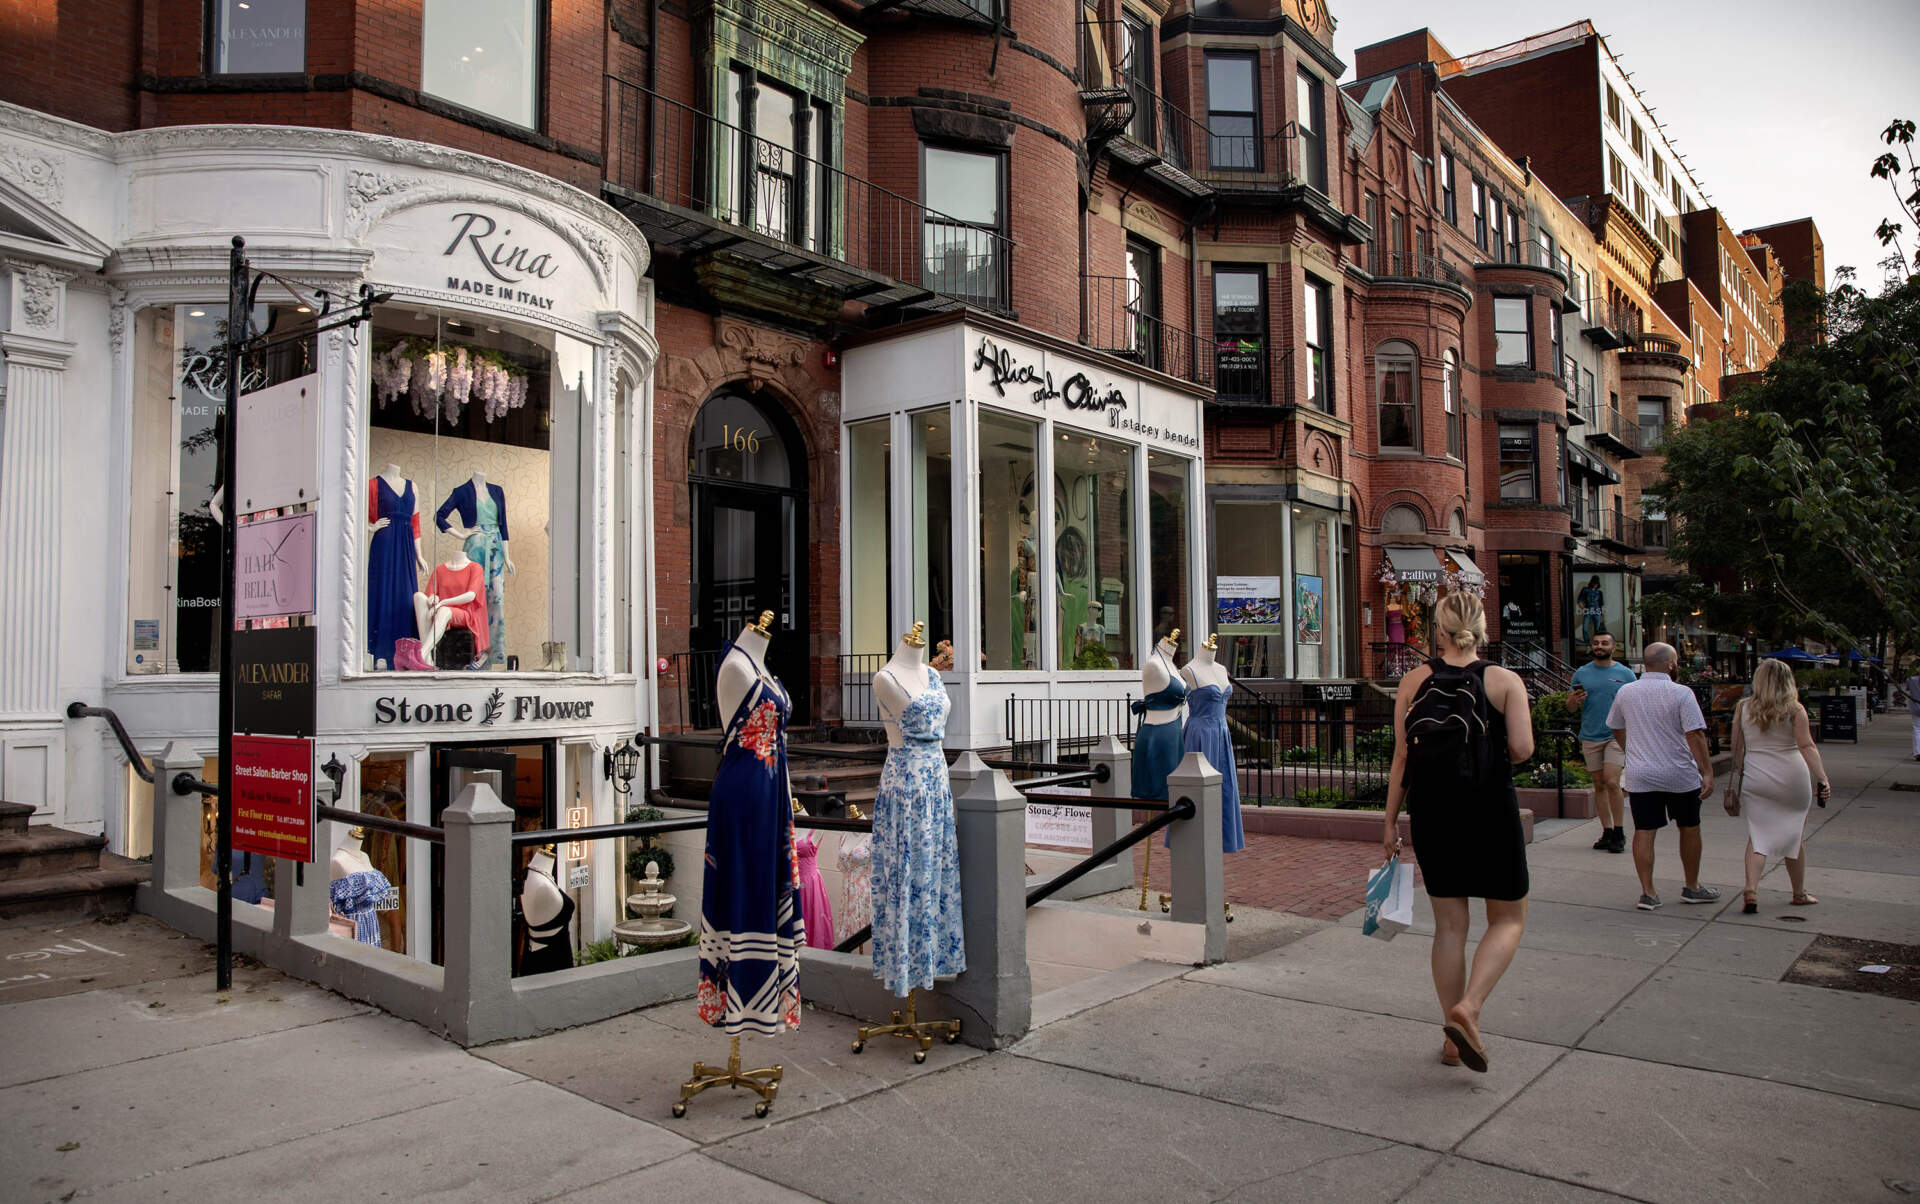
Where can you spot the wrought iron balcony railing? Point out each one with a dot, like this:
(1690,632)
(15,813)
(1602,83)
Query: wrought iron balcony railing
(693,181)
(1119,322)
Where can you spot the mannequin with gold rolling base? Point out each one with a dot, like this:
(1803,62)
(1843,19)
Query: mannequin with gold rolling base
(765,1082)
(905,1025)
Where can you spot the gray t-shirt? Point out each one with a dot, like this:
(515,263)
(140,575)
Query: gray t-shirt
(1657,712)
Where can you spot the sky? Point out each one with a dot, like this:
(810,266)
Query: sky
(1777,105)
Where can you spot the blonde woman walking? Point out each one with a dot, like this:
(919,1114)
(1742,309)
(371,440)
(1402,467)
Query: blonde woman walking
(1777,774)
(1460,724)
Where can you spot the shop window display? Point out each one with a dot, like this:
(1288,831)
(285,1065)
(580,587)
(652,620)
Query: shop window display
(1312,573)
(383,792)
(932,504)
(1010,543)
(479,524)
(179,415)
(1093,551)
(1250,614)
(1167,484)
(870,528)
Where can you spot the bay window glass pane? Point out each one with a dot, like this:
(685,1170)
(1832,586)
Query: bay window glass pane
(1010,583)
(962,223)
(1312,575)
(932,506)
(1093,551)
(1398,402)
(260,37)
(479,468)
(483,55)
(1167,490)
(869,529)
(179,419)
(1512,344)
(1250,612)
(1517,463)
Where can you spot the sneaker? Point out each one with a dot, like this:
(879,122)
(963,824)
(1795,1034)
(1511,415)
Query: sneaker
(1648,902)
(1705,894)
(1605,843)
(1619,844)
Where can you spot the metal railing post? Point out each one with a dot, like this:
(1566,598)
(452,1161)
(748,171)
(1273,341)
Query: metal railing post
(477,980)
(995,995)
(1199,871)
(176,823)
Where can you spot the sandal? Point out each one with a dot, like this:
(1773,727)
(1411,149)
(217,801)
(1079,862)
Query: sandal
(1803,899)
(1751,906)
(1472,1055)
(1449,1055)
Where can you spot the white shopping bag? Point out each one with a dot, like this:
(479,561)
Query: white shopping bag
(1389,900)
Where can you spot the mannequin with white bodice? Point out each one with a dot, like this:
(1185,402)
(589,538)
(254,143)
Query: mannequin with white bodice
(350,857)
(1204,669)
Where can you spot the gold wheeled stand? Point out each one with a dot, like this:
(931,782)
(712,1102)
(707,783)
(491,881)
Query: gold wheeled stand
(764,1083)
(1166,898)
(904,1025)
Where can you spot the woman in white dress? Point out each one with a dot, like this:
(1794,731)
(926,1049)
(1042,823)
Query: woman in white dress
(1776,768)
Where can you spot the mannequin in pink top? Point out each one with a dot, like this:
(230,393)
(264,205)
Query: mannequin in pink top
(455,597)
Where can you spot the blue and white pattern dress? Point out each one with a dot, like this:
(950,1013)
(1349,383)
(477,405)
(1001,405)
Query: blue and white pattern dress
(750,925)
(357,896)
(917,930)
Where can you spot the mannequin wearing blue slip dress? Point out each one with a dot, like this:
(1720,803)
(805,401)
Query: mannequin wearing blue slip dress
(1208,735)
(1158,744)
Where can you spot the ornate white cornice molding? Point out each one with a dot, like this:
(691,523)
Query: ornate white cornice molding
(34,124)
(37,298)
(42,175)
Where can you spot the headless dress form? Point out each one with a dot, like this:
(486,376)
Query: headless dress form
(550,945)
(1158,747)
(750,922)
(1206,733)
(393,574)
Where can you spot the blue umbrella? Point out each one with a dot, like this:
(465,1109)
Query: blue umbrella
(1853,654)
(1789,654)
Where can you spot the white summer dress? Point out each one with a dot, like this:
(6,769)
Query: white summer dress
(1776,788)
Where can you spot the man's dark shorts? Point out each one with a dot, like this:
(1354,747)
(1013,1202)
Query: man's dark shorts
(1652,807)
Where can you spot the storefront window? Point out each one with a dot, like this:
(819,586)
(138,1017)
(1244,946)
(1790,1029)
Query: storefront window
(1093,551)
(179,408)
(383,792)
(484,55)
(1009,543)
(260,37)
(480,467)
(1312,575)
(1250,613)
(932,502)
(1167,483)
(869,529)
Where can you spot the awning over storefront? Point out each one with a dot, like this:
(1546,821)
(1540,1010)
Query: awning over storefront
(1470,573)
(1412,562)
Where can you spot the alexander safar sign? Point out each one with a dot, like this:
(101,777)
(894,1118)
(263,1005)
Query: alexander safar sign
(273,681)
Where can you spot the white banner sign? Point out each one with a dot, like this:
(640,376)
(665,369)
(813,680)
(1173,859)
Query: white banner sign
(276,464)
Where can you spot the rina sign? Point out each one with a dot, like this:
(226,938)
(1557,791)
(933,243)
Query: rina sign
(492,254)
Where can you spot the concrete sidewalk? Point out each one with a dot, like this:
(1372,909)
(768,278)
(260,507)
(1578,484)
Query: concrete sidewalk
(1651,1056)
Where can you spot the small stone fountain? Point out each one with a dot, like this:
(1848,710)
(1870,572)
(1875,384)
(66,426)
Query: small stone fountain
(648,930)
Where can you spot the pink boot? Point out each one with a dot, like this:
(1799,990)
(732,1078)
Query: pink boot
(406,655)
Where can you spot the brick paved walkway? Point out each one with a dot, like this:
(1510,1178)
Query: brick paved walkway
(1320,878)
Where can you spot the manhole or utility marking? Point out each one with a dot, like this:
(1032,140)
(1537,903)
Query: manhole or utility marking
(1834,962)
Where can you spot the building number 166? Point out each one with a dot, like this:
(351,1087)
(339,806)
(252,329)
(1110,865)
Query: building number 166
(740,440)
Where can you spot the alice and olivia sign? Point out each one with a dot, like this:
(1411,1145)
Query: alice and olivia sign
(1078,393)
(521,708)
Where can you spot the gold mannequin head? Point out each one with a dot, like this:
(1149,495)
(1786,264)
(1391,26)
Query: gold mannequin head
(1173,637)
(917,638)
(1212,642)
(764,625)
(357,832)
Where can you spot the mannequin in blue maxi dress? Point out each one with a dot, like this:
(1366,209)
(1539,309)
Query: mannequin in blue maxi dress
(751,928)
(394,562)
(1207,734)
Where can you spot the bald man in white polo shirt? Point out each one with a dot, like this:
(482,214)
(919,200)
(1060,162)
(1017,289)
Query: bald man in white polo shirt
(1658,723)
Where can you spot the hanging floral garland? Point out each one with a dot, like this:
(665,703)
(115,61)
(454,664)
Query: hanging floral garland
(436,379)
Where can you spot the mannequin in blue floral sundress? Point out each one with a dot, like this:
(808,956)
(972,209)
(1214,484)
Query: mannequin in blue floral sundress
(917,929)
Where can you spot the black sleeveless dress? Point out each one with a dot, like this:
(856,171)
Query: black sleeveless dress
(1467,836)
(550,945)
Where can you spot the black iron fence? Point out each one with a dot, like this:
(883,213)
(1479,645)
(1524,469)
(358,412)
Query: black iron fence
(857,703)
(689,700)
(1393,660)
(1291,755)
(1065,729)
(701,164)
(1249,372)
(1119,319)
(1411,265)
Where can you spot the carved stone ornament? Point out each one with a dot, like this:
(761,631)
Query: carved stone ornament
(117,317)
(757,346)
(39,287)
(366,187)
(40,175)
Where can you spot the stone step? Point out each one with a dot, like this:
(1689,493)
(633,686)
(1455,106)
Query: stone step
(104,891)
(46,850)
(14,817)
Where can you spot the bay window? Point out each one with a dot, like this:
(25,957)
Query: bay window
(964,192)
(1319,315)
(1396,384)
(484,55)
(1513,332)
(1450,399)
(1240,333)
(1311,121)
(1233,112)
(1518,478)
(258,37)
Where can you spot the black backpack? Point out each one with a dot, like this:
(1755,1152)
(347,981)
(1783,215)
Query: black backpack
(1448,725)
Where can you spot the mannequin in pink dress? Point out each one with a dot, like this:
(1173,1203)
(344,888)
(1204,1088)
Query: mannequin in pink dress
(814,904)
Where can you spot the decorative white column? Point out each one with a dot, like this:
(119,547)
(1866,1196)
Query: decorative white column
(33,752)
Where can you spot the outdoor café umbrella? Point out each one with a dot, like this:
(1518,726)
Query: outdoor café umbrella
(1789,654)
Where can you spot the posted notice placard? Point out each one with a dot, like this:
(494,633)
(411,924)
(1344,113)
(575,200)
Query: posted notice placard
(273,796)
(1060,824)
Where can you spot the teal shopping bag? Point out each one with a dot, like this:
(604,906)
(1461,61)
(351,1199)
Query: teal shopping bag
(1389,900)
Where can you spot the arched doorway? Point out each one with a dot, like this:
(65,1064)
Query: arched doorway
(747,472)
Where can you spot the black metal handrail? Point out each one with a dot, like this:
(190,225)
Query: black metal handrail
(381,823)
(701,164)
(1073,725)
(1411,265)
(1249,372)
(1118,318)
(80,710)
(1182,808)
